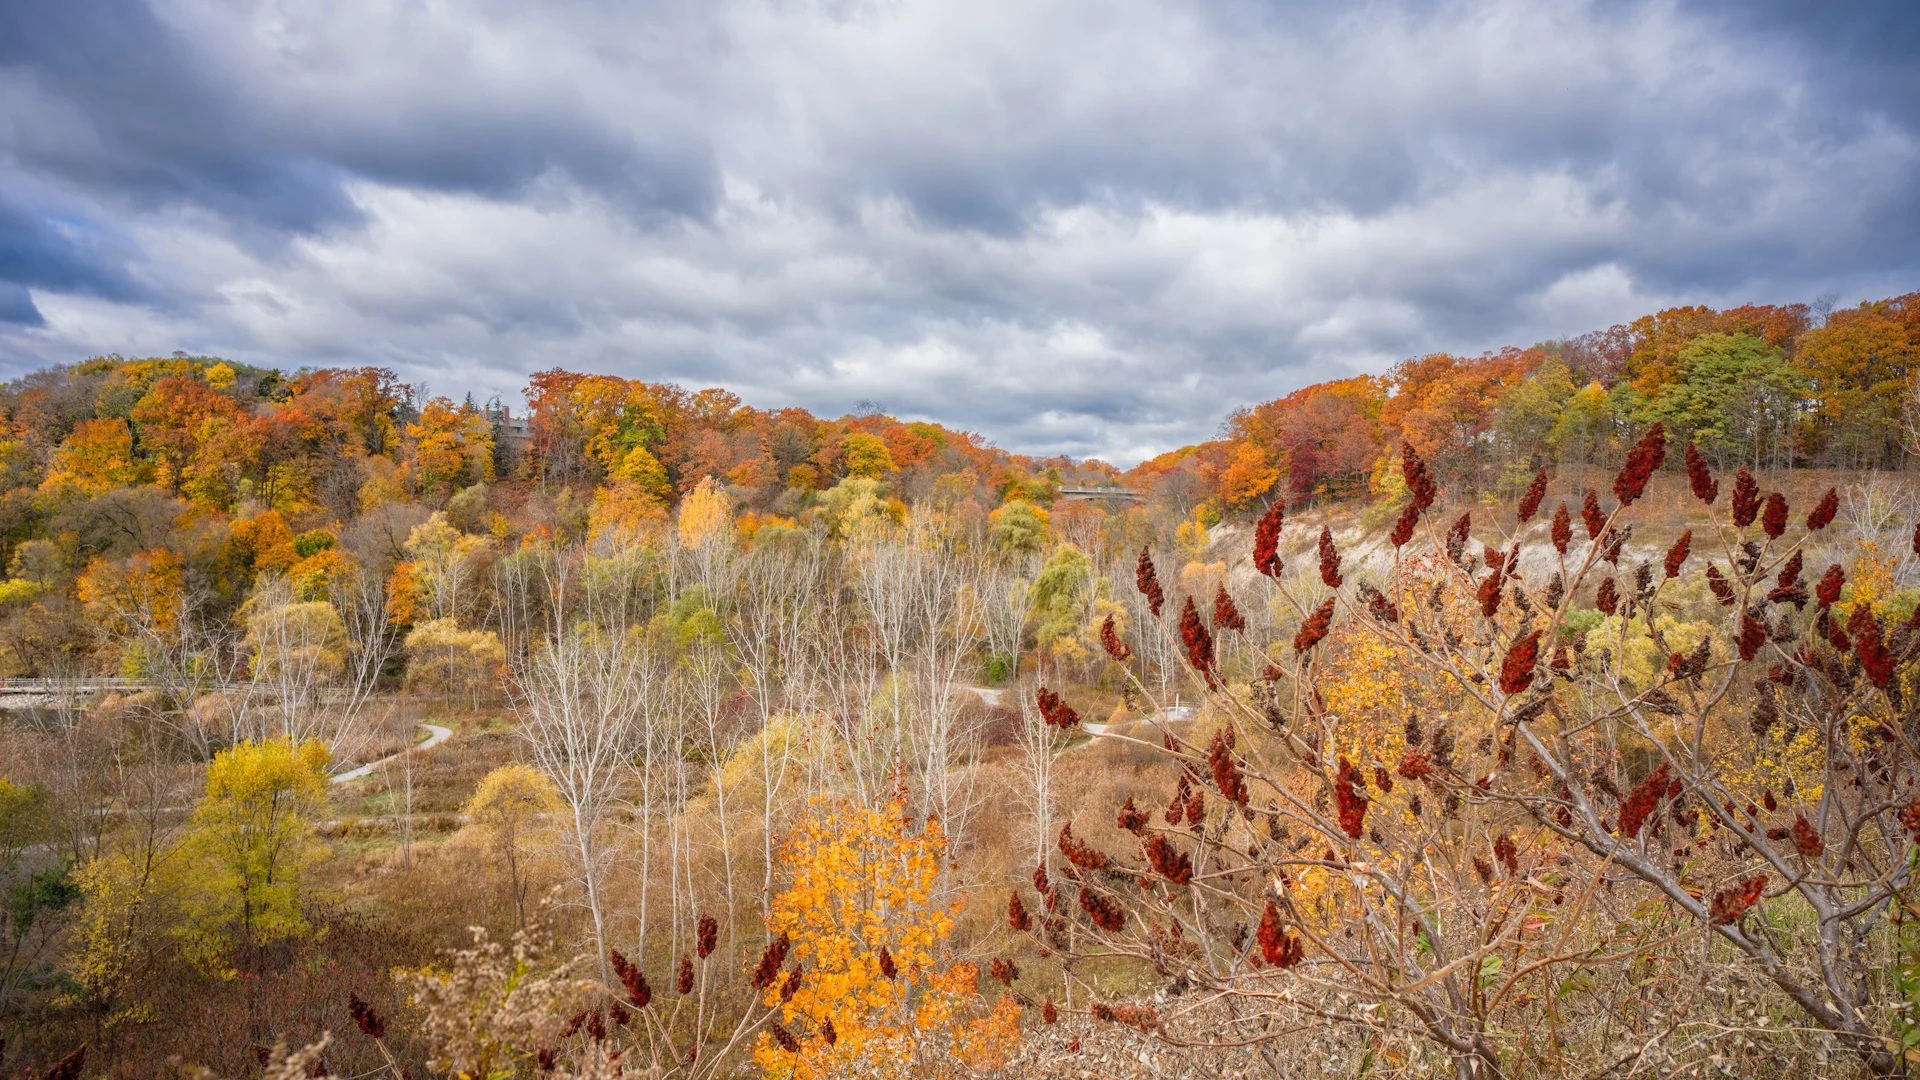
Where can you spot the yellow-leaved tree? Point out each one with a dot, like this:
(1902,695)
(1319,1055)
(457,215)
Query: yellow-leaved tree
(251,845)
(507,811)
(454,662)
(867,456)
(878,996)
(706,516)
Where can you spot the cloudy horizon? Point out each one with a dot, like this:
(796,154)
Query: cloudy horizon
(1080,228)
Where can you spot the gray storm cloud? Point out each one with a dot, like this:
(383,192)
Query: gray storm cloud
(1077,227)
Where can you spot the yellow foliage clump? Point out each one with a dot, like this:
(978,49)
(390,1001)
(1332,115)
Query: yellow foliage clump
(1190,537)
(287,637)
(251,847)
(97,456)
(625,511)
(706,516)
(507,811)
(867,456)
(144,588)
(861,903)
(452,661)
(313,576)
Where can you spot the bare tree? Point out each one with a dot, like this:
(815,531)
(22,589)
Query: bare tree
(1038,745)
(296,652)
(773,600)
(579,695)
(360,597)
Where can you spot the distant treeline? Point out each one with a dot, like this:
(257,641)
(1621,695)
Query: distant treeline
(1760,385)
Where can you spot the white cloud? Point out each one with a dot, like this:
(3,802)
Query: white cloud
(1076,227)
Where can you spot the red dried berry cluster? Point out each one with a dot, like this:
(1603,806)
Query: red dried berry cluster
(1830,585)
(1419,479)
(1875,658)
(1350,797)
(1005,970)
(369,1022)
(1677,554)
(1138,1016)
(1722,589)
(1266,540)
(1806,840)
(1017,916)
(1562,529)
(1773,517)
(1110,641)
(1642,801)
(1642,459)
(1516,669)
(1508,853)
(1226,770)
(1378,605)
(1148,582)
(1491,587)
(887,966)
(1226,616)
(630,976)
(771,961)
(1591,516)
(1198,640)
(1822,515)
(1457,534)
(1415,765)
(1731,904)
(1910,816)
(1700,478)
(708,937)
(1607,597)
(1530,499)
(1078,853)
(1314,627)
(1105,914)
(1746,498)
(1173,865)
(1054,709)
(1132,818)
(685,981)
(1329,559)
(1420,484)
(1753,635)
(1280,948)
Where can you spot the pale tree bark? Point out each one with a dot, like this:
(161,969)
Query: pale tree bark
(771,611)
(579,696)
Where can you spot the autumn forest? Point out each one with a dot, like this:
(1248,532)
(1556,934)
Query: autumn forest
(1548,712)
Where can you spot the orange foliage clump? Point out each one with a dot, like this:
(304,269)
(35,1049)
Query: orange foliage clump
(863,918)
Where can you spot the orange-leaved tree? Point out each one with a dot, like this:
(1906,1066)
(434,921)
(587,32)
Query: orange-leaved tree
(869,989)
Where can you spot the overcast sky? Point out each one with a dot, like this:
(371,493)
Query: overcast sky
(1077,226)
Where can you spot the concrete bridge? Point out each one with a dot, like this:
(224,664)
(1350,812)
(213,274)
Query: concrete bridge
(1077,494)
(46,693)
(41,693)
